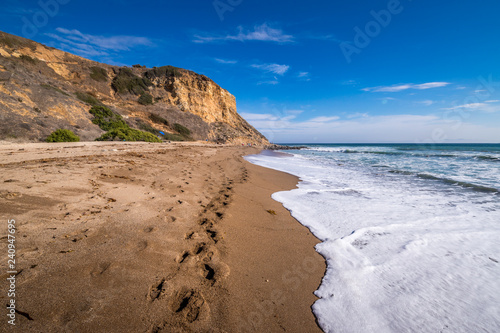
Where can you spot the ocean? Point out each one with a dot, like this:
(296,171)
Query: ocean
(410,233)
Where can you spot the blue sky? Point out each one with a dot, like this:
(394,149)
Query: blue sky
(305,71)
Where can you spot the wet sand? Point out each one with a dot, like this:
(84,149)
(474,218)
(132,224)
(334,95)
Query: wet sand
(137,237)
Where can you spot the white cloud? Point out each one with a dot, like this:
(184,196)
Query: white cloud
(323,119)
(258,116)
(271,82)
(304,76)
(273,68)
(430,85)
(401,87)
(357,115)
(92,45)
(389,89)
(467,106)
(263,33)
(427,102)
(350,83)
(294,112)
(330,38)
(481,107)
(222,61)
(385,100)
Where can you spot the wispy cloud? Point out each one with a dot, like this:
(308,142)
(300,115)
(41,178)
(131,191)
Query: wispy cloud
(329,38)
(401,87)
(263,33)
(488,106)
(357,115)
(258,116)
(349,83)
(323,119)
(223,61)
(272,68)
(92,45)
(386,100)
(270,82)
(427,102)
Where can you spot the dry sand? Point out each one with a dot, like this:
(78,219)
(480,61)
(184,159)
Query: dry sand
(137,237)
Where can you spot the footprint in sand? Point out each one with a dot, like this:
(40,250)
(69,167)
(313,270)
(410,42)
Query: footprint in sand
(100,269)
(138,246)
(157,290)
(149,229)
(190,303)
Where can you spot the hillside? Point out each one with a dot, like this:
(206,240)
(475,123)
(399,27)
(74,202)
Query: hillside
(43,89)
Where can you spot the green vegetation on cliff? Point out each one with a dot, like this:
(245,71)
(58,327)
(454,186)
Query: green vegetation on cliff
(145,99)
(128,134)
(182,130)
(98,74)
(163,71)
(127,82)
(14,42)
(62,135)
(87,98)
(157,119)
(29,59)
(117,128)
(107,119)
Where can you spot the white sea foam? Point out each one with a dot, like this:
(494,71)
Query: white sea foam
(404,254)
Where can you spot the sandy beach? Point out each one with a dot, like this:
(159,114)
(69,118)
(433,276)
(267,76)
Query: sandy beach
(137,237)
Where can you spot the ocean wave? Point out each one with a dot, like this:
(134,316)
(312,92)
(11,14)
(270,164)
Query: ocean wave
(487,158)
(475,187)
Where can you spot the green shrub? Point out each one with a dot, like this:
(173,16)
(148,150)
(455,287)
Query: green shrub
(89,99)
(128,134)
(8,41)
(145,99)
(29,59)
(148,128)
(107,119)
(163,71)
(62,135)
(15,42)
(49,87)
(117,128)
(157,119)
(127,82)
(174,137)
(182,130)
(98,74)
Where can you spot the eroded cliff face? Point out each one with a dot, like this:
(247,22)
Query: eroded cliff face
(201,96)
(42,89)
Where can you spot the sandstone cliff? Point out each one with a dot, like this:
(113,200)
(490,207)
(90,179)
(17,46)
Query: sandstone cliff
(43,89)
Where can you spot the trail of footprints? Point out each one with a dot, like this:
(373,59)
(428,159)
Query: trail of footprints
(202,257)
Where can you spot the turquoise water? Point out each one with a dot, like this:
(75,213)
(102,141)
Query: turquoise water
(475,166)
